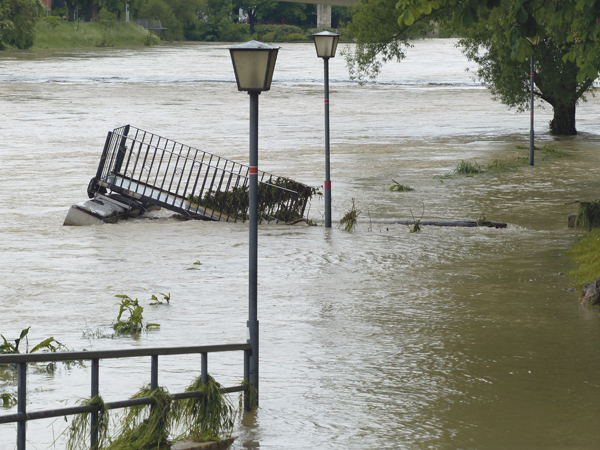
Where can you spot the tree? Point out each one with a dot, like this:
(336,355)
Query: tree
(257,10)
(566,56)
(17,22)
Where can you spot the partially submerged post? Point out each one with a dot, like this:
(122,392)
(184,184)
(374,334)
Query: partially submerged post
(326,45)
(253,63)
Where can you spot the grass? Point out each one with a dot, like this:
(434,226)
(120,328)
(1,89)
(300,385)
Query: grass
(467,168)
(587,255)
(91,34)
(497,166)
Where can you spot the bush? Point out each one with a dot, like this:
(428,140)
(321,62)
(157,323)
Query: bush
(53,21)
(280,32)
(295,37)
(269,37)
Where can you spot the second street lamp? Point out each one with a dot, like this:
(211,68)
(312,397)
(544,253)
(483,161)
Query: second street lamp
(253,64)
(326,44)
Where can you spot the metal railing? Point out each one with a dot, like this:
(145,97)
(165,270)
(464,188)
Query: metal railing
(194,183)
(21,360)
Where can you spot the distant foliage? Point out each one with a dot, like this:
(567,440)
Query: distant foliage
(18,19)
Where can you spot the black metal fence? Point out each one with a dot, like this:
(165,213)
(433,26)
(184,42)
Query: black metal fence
(21,360)
(194,183)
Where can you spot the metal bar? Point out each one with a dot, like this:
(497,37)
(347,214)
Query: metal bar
(111,354)
(175,170)
(187,183)
(121,149)
(204,368)
(71,411)
(154,373)
(247,353)
(185,161)
(103,157)
(22,406)
(253,242)
(327,171)
(94,414)
(168,165)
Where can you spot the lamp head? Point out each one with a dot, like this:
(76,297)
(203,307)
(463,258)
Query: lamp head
(326,43)
(253,64)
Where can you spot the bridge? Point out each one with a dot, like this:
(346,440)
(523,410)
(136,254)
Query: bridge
(143,170)
(324,9)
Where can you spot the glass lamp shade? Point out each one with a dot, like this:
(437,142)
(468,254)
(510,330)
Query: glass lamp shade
(253,64)
(326,43)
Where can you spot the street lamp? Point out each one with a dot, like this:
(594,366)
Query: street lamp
(533,43)
(253,64)
(326,44)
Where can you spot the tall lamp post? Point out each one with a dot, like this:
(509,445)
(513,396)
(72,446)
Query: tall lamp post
(326,44)
(533,43)
(253,64)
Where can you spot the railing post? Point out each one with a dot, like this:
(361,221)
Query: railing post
(247,405)
(95,393)
(204,368)
(154,373)
(22,406)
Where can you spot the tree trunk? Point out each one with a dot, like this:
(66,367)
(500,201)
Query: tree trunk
(563,123)
(92,12)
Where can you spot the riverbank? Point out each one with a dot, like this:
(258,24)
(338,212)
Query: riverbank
(53,35)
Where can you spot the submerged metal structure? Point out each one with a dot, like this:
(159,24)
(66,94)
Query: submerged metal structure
(143,170)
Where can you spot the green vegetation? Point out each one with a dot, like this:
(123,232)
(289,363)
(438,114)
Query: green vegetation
(155,301)
(588,215)
(209,417)
(92,34)
(416,227)
(50,344)
(467,168)
(79,431)
(587,255)
(397,187)
(349,220)
(7,400)
(134,323)
(18,20)
(146,427)
(497,35)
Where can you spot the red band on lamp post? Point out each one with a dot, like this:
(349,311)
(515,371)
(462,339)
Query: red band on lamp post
(253,170)
(328,185)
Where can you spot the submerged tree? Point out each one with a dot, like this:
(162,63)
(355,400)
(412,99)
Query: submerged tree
(498,35)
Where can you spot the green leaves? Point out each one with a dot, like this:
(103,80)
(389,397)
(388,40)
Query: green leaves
(134,323)
(414,10)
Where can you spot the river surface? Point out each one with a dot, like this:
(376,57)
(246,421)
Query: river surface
(452,338)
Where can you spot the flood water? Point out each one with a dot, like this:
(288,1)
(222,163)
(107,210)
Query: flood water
(452,338)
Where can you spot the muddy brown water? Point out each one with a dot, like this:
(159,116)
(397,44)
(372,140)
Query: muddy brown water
(453,338)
